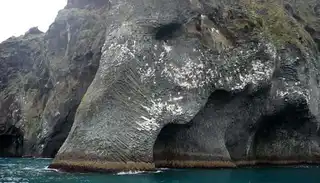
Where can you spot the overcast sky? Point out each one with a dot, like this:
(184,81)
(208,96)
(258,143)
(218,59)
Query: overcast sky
(17,16)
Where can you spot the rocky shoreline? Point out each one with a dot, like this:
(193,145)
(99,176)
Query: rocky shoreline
(110,167)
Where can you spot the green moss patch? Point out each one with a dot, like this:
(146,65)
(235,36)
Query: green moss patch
(274,22)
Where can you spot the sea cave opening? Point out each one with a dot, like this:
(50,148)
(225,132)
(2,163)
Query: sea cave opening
(179,144)
(283,134)
(170,145)
(11,143)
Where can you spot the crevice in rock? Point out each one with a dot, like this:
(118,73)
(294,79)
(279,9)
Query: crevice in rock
(60,131)
(292,12)
(314,34)
(316,10)
(59,135)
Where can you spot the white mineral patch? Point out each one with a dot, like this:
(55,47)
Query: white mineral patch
(69,32)
(214,30)
(148,74)
(191,75)
(258,73)
(115,55)
(147,124)
(157,110)
(294,90)
(174,109)
(195,74)
(177,98)
(271,49)
(57,113)
(167,48)
(249,143)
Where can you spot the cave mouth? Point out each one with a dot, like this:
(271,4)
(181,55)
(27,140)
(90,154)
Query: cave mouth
(11,143)
(167,143)
(168,31)
(292,116)
(294,122)
(177,144)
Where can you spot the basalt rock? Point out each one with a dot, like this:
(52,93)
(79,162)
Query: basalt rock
(145,84)
(199,84)
(44,77)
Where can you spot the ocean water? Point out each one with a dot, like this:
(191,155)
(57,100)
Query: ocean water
(36,171)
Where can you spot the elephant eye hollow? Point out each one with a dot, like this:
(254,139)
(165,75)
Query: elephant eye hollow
(167,31)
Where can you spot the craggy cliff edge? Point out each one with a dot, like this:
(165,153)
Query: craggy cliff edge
(43,77)
(184,83)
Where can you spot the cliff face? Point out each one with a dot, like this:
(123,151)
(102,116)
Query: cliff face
(172,83)
(43,79)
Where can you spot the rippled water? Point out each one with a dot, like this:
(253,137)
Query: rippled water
(35,171)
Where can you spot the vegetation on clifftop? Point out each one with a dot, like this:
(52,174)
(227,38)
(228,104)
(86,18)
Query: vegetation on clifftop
(275,23)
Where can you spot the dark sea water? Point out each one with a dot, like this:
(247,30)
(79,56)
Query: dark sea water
(35,171)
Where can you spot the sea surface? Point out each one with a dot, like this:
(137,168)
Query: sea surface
(36,171)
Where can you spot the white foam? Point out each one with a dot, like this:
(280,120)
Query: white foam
(29,168)
(130,172)
(40,169)
(140,172)
(164,169)
(51,169)
(9,164)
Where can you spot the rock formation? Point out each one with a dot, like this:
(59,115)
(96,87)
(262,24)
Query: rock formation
(145,84)
(44,77)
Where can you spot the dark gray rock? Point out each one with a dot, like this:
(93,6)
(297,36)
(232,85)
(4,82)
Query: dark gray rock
(87,4)
(160,63)
(317,10)
(274,123)
(44,77)
(165,83)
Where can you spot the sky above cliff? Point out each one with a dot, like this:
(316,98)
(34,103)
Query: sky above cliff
(17,16)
